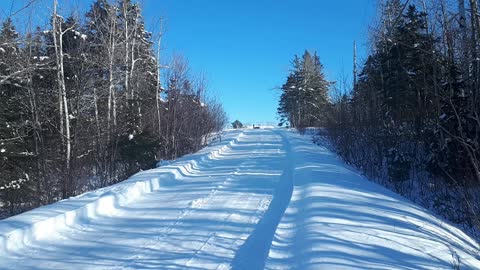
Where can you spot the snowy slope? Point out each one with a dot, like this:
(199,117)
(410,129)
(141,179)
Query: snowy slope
(259,199)
(336,219)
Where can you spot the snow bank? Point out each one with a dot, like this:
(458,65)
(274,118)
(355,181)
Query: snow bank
(162,163)
(43,222)
(337,219)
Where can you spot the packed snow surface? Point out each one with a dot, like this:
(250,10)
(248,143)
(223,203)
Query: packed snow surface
(258,199)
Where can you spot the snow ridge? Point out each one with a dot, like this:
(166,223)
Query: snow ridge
(40,223)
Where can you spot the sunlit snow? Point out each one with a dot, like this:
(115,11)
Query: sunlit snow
(259,199)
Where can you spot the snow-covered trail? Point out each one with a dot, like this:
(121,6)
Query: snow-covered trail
(261,199)
(197,221)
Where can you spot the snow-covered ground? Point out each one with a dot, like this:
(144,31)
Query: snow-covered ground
(259,199)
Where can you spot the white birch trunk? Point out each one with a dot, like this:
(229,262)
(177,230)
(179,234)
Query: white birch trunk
(58,44)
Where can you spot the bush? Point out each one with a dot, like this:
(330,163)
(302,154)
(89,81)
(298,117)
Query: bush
(237,124)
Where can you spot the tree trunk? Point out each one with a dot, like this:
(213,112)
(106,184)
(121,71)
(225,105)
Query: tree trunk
(125,29)
(112,100)
(58,44)
(159,83)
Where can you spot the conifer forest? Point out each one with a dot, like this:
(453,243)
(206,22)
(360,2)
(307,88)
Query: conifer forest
(411,117)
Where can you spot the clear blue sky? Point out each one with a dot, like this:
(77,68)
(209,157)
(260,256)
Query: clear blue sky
(245,46)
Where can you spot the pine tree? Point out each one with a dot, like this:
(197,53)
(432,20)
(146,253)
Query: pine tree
(304,97)
(15,124)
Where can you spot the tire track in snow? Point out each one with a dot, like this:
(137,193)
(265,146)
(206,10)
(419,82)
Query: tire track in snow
(87,223)
(200,204)
(213,239)
(86,227)
(177,227)
(194,205)
(261,207)
(259,242)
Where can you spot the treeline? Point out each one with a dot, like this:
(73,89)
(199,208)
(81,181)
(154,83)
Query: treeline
(85,105)
(411,120)
(413,115)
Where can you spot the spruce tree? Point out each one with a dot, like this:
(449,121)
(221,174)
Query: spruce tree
(304,97)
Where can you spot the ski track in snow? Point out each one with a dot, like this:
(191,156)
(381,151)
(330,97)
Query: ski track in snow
(261,199)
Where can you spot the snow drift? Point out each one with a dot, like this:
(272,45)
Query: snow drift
(40,223)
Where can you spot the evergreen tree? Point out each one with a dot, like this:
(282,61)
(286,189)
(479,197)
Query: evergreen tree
(304,97)
(237,124)
(15,124)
